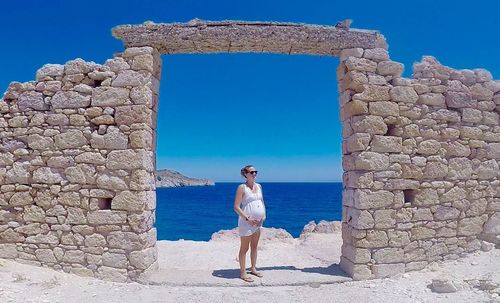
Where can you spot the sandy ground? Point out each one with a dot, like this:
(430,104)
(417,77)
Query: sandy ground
(294,271)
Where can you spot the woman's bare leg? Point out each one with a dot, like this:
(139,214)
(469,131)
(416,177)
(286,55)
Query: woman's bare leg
(253,250)
(245,242)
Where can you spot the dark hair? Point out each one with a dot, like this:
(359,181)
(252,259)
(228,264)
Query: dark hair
(244,170)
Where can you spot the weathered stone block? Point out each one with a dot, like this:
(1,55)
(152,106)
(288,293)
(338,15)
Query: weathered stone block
(49,72)
(31,100)
(367,199)
(385,218)
(388,255)
(421,232)
(21,199)
(422,214)
(446,213)
(125,240)
(398,238)
(404,94)
(459,100)
(69,199)
(354,80)
(360,64)
(142,222)
(351,52)
(75,175)
(141,139)
(456,149)
(357,142)
(69,99)
(434,99)
(426,197)
(10,236)
(129,201)
(49,238)
(19,173)
(72,138)
(471,226)
(356,255)
(76,216)
(390,68)
(428,147)
(471,115)
(109,96)
(356,271)
(459,168)
(143,259)
(34,213)
(111,182)
(359,219)
(142,180)
(376,54)
(390,144)
(8,251)
(91,158)
(127,115)
(455,193)
(45,255)
(488,170)
(130,160)
(371,161)
(435,170)
(354,108)
(384,108)
(356,179)
(114,260)
(373,239)
(493,150)
(393,184)
(101,217)
(373,93)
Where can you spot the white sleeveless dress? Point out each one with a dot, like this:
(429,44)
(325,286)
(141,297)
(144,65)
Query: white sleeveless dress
(253,207)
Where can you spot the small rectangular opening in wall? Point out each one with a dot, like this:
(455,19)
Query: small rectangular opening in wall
(104,203)
(391,130)
(409,195)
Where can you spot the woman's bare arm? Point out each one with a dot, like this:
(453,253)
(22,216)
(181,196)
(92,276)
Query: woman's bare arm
(237,202)
(262,199)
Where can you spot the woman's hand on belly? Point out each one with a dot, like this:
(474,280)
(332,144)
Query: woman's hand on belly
(254,222)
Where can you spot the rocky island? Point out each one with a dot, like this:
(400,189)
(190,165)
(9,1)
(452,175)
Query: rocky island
(171,178)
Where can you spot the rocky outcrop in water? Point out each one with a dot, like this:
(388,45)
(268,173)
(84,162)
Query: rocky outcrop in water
(171,178)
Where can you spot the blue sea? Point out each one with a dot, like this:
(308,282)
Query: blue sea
(195,213)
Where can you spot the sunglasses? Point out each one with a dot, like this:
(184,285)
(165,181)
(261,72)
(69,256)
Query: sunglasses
(254,172)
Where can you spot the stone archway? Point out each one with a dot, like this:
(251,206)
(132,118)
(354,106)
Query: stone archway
(420,156)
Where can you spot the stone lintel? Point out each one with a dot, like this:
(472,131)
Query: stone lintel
(199,36)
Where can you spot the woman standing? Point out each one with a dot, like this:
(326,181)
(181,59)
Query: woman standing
(249,205)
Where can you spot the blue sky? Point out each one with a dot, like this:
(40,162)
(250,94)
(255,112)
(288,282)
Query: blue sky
(220,112)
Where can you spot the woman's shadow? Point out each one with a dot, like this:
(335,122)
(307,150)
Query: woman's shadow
(332,270)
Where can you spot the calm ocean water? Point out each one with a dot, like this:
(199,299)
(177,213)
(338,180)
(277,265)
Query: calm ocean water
(195,213)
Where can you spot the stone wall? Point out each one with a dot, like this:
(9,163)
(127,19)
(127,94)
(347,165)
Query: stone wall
(77,166)
(421,159)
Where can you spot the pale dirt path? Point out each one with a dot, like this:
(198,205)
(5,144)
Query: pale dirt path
(23,283)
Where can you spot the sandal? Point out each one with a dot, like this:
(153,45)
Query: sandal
(256,273)
(247,279)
